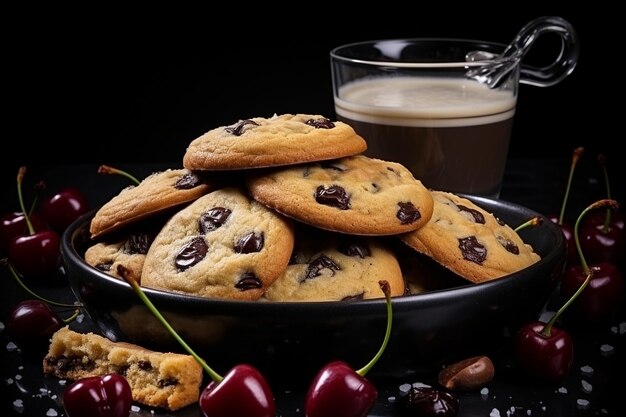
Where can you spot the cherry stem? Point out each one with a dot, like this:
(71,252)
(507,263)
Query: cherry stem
(384,286)
(20,178)
(612,204)
(128,277)
(607,218)
(72,317)
(31,292)
(575,157)
(105,169)
(534,221)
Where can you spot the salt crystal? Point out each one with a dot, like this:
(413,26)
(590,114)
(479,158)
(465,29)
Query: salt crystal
(404,388)
(19,403)
(494,413)
(52,412)
(18,377)
(606,349)
(1,326)
(586,370)
(11,347)
(614,330)
(622,328)
(20,367)
(512,409)
(484,393)
(135,409)
(586,386)
(62,381)
(391,399)
(420,385)
(528,412)
(80,318)
(543,408)
(562,390)
(582,403)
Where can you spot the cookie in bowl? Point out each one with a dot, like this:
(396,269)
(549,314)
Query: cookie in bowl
(328,266)
(224,245)
(275,141)
(155,194)
(355,195)
(470,241)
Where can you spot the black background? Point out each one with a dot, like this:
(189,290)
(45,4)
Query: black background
(113,86)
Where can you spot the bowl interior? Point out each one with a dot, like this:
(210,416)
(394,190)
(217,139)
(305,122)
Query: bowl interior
(429,329)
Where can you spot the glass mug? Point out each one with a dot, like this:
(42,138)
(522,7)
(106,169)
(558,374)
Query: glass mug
(443,107)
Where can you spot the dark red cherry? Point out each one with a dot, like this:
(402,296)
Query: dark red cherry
(36,256)
(98,396)
(14,224)
(242,392)
(31,323)
(544,355)
(603,238)
(61,209)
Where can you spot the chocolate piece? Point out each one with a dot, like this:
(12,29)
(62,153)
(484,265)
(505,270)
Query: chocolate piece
(334,196)
(167,382)
(468,374)
(137,244)
(104,267)
(213,219)
(359,249)
(320,123)
(408,213)
(508,245)
(476,215)
(320,263)
(249,243)
(192,253)
(248,281)
(187,181)
(472,250)
(239,128)
(426,401)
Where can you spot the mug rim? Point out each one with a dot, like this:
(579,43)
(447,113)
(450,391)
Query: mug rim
(336,53)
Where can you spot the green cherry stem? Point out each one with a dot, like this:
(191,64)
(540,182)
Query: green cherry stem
(31,292)
(533,221)
(105,169)
(607,218)
(575,157)
(20,178)
(127,275)
(384,285)
(611,204)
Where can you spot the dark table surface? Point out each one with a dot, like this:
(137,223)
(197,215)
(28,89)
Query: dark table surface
(594,386)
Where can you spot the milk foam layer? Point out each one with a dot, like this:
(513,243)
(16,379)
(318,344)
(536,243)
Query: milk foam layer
(421,101)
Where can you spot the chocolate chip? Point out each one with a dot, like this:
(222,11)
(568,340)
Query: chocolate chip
(249,243)
(467,374)
(161,383)
(238,129)
(320,123)
(407,213)
(472,250)
(213,219)
(354,248)
(508,245)
(426,401)
(144,365)
(248,281)
(138,243)
(477,215)
(192,253)
(104,266)
(334,196)
(187,181)
(319,264)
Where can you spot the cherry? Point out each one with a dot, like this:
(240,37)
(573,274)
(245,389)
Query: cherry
(338,390)
(567,228)
(31,323)
(602,235)
(109,395)
(61,209)
(541,349)
(14,224)
(604,294)
(242,392)
(38,253)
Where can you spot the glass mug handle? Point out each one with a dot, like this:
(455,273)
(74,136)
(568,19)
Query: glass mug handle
(497,68)
(564,63)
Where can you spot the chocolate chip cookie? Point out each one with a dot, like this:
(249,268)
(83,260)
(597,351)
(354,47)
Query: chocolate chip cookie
(279,140)
(223,245)
(470,241)
(156,193)
(356,195)
(328,266)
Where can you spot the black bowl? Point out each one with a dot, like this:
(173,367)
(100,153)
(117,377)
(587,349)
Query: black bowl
(295,339)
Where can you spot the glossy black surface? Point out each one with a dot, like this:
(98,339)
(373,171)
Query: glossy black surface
(588,390)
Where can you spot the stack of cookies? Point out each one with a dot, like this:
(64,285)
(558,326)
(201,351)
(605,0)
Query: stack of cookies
(288,208)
